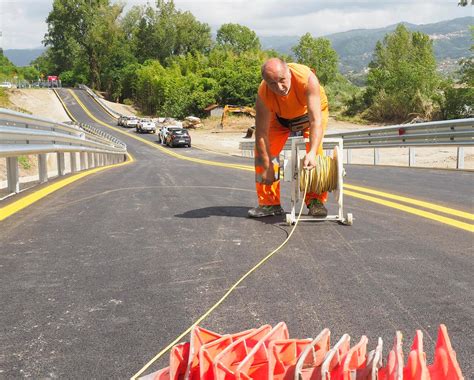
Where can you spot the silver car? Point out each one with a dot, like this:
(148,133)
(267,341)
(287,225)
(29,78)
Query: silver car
(146,125)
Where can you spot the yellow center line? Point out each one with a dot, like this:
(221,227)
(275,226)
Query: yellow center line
(431,206)
(411,210)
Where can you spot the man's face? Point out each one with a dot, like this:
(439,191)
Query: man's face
(279,82)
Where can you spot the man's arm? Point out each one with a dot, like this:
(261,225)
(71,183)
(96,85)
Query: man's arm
(316,131)
(262,125)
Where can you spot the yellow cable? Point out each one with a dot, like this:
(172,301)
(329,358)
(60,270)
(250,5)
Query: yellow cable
(322,178)
(231,289)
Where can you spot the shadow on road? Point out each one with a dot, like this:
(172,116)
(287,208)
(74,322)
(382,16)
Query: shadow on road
(232,211)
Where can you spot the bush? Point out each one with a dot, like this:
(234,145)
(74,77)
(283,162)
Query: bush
(458,103)
(24,162)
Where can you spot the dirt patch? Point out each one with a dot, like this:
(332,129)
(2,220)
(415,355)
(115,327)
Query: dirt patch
(120,108)
(39,102)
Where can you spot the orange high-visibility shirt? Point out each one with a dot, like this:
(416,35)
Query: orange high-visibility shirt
(294,103)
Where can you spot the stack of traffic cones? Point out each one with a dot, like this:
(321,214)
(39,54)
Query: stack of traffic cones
(268,353)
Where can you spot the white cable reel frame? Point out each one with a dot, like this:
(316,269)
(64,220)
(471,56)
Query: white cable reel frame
(291,173)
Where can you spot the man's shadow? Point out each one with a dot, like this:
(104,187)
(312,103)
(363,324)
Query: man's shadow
(229,211)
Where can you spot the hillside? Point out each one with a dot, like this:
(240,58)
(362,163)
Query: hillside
(23,57)
(451,41)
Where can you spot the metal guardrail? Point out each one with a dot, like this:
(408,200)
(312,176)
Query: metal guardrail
(99,100)
(22,134)
(459,133)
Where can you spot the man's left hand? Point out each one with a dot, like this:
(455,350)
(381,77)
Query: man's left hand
(309,161)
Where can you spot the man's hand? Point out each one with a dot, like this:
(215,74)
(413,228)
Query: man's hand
(309,161)
(268,175)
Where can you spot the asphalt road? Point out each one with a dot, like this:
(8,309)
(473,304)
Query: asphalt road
(101,275)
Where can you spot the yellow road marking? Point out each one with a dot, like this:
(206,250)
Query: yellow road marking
(411,210)
(431,206)
(26,201)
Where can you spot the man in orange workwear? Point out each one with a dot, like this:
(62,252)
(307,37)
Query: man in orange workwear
(289,99)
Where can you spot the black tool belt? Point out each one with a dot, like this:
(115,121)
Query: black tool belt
(296,124)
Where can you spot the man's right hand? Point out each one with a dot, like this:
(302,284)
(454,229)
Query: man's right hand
(268,175)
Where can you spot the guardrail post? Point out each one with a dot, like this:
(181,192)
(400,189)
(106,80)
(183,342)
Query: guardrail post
(376,156)
(83,159)
(349,155)
(73,162)
(61,164)
(13,177)
(460,159)
(90,160)
(411,156)
(43,167)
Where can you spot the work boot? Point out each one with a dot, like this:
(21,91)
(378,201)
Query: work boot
(317,209)
(261,211)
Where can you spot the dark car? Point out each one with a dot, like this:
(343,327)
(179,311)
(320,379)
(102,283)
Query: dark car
(178,137)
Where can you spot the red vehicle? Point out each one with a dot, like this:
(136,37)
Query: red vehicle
(54,81)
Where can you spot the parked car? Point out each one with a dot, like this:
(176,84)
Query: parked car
(164,132)
(131,122)
(146,125)
(178,137)
(121,120)
(6,85)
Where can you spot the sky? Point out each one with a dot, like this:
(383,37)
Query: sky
(22,22)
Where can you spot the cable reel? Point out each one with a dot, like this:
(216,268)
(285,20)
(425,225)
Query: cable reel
(326,176)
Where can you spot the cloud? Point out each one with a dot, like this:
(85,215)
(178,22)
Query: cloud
(23,21)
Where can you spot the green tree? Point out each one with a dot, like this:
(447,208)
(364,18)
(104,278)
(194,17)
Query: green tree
(163,31)
(318,54)
(237,38)
(82,33)
(402,82)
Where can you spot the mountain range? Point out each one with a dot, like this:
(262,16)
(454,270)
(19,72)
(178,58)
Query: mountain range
(451,41)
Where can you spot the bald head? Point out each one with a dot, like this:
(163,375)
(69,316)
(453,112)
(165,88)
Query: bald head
(277,75)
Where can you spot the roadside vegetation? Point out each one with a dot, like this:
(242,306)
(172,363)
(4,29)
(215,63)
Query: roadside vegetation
(165,62)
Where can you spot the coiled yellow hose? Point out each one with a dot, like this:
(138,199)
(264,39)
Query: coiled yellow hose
(322,178)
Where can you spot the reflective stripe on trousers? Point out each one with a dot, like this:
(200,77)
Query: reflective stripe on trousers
(277,136)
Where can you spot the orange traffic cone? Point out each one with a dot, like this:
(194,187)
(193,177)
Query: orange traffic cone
(355,360)
(227,361)
(209,351)
(179,361)
(162,374)
(373,365)
(310,360)
(255,364)
(199,337)
(284,355)
(445,365)
(394,368)
(335,357)
(416,368)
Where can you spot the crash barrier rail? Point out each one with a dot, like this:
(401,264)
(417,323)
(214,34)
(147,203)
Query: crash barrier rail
(99,100)
(458,133)
(268,353)
(22,134)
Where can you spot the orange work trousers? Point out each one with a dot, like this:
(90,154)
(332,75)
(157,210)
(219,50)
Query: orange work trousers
(269,195)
